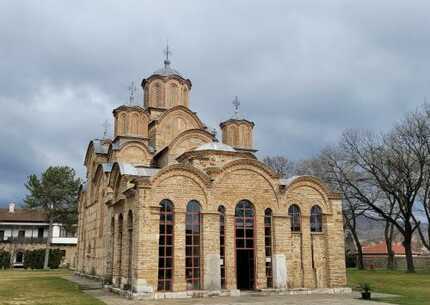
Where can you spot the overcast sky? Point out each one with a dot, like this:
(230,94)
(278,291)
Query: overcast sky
(303,70)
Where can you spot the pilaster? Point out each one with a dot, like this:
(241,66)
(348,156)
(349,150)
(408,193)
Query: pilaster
(211,250)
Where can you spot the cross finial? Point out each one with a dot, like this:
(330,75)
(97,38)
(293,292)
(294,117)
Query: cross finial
(167,52)
(105,128)
(236,105)
(214,133)
(131,90)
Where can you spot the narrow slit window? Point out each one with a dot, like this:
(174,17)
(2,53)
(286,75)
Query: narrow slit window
(268,246)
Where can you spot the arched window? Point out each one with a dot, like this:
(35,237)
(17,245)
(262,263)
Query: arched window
(157,95)
(245,245)
(294,213)
(221,211)
(316,219)
(268,246)
(173,95)
(124,127)
(192,245)
(165,246)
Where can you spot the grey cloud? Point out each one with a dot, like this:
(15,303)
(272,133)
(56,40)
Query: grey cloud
(303,70)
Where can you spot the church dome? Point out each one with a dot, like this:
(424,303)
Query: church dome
(215,146)
(167,71)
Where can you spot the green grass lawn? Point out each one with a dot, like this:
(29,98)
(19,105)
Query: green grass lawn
(21,287)
(414,288)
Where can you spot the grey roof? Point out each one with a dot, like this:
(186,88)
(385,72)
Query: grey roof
(100,147)
(215,146)
(166,70)
(288,181)
(107,167)
(130,169)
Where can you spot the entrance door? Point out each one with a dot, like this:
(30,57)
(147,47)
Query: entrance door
(245,254)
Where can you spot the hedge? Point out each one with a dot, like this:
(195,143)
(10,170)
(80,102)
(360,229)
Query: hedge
(34,259)
(4,259)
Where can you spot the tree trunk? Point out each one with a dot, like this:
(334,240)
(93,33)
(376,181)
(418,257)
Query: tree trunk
(360,262)
(390,256)
(407,243)
(48,244)
(388,232)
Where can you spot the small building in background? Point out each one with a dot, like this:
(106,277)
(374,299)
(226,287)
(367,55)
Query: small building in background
(375,256)
(27,229)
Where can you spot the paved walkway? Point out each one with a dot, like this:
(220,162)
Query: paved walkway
(314,299)
(94,288)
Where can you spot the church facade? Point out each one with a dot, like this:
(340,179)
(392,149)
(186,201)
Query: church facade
(167,209)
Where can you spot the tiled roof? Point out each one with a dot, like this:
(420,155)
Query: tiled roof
(22,215)
(381,248)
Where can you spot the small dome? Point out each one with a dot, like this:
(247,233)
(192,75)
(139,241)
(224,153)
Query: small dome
(166,70)
(215,146)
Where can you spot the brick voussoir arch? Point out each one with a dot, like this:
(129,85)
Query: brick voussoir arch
(314,183)
(254,166)
(189,134)
(200,178)
(180,108)
(137,144)
(268,173)
(115,174)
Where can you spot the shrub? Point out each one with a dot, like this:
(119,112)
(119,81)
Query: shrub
(4,259)
(35,259)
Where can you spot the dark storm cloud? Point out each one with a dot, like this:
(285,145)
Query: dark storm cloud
(303,70)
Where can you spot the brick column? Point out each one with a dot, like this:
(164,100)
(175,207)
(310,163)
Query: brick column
(281,239)
(110,241)
(124,248)
(230,247)
(115,254)
(146,249)
(179,252)
(210,254)
(335,246)
(260,253)
(308,271)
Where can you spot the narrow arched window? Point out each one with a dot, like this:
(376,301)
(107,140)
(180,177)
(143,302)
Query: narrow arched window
(124,124)
(268,246)
(221,211)
(192,245)
(316,219)
(157,95)
(294,213)
(165,246)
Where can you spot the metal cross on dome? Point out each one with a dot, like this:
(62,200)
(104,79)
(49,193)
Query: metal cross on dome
(106,126)
(236,105)
(167,52)
(131,90)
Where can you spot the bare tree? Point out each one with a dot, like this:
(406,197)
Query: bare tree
(423,210)
(280,165)
(396,163)
(389,205)
(352,208)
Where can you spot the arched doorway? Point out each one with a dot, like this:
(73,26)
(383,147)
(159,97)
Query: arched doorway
(245,245)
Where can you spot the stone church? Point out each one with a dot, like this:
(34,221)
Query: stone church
(169,211)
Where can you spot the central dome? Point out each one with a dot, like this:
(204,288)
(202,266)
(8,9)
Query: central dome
(166,71)
(215,146)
